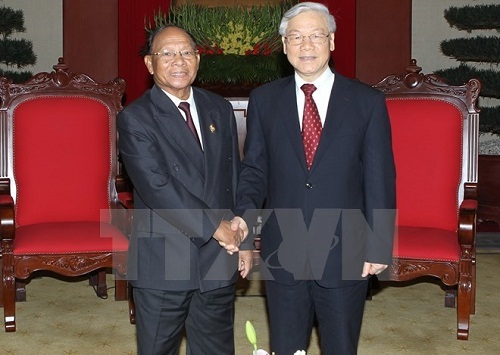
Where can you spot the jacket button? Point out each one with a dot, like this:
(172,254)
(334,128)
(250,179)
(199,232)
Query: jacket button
(176,167)
(309,185)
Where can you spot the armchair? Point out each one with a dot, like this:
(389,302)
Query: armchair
(58,167)
(435,136)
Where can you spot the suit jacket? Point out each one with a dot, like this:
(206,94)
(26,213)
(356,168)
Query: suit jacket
(181,193)
(324,223)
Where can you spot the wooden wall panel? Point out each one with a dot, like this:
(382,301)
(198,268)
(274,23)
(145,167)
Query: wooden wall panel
(383,38)
(380,29)
(90,37)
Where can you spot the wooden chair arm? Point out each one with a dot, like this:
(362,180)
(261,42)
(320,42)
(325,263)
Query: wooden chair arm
(7,218)
(470,191)
(467,216)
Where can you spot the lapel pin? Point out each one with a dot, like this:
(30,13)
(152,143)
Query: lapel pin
(212,128)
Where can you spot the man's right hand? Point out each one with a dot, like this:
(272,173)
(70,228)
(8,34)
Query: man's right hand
(228,238)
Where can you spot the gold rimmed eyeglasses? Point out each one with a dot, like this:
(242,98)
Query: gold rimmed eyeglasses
(170,55)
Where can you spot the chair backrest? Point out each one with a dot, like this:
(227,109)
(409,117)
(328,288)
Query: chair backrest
(59,140)
(435,136)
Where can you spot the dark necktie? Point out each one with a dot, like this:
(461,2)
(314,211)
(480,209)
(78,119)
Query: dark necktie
(184,106)
(311,124)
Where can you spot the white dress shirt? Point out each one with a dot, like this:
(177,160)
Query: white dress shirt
(192,108)
(321,96)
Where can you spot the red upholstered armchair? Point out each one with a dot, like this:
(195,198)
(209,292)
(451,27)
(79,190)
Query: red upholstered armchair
(435,137)
(58,165)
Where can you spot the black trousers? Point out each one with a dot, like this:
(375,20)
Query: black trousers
(163,316)
(293,308)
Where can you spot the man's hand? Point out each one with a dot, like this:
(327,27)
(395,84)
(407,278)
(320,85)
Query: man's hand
(239,223)
(245,262)
(228,238)
(372,269)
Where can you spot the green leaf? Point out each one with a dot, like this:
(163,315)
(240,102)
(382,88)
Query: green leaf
(238,44)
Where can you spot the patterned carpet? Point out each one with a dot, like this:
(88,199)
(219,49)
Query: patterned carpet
(67,318)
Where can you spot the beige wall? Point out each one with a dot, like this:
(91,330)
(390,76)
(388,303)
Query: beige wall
(430,28)
(43,23)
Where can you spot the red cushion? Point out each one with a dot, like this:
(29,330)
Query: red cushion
(62,160)
(426,244)
(68,238)
(427,151)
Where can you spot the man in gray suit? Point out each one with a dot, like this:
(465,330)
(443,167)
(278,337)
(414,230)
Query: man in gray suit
(318,157)
(179,146)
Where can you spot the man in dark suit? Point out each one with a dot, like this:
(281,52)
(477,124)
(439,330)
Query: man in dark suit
(329,208)
(183,164)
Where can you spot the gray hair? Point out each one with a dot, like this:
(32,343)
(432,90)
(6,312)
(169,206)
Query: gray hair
(303,7)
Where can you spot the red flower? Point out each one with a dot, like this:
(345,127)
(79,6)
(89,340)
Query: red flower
(210,50)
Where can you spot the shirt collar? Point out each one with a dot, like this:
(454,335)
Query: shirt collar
(324,78)
(177,101)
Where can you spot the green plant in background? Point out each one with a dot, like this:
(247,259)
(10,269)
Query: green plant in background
(238,45)
(14,52)
(479,49)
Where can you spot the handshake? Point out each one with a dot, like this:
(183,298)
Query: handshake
(230,234)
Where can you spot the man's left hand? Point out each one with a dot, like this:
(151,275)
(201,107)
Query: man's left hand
(245,262)
(372,269)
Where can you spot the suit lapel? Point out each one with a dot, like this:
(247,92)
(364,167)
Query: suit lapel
(333,119)
(287,108)
(211,129)
(174,126)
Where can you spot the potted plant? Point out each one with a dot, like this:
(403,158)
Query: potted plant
(480,49)
(240,46)
(16,53)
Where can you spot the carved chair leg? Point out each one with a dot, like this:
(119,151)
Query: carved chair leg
(121,292)
(464,307)
(98,280)
(102,289)
(9,298)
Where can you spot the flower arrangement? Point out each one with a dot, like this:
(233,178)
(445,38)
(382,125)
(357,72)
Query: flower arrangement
(238,45)
(252,338)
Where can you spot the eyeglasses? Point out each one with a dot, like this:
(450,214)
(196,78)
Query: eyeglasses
(168,56)
(316,38)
